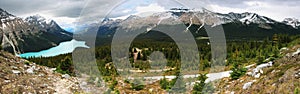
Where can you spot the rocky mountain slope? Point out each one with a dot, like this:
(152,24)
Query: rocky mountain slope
(280,77)
(31,34)
(19,76)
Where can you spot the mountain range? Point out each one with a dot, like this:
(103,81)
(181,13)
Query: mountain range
(30,34)
(199,17)
(237,26)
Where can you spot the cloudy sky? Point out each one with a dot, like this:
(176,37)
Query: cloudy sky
(68,12)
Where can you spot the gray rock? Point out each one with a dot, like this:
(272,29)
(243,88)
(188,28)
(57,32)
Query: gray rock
(67,76)
(30,70)
(232,92)
(296,53)
(14,67)
(7,81)
(258,70)
(52,69)
(257,75)
(247,85)
(16,71)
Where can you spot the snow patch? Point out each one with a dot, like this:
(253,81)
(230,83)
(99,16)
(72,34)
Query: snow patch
(292,22)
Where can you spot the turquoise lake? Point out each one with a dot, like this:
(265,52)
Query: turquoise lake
(62,48)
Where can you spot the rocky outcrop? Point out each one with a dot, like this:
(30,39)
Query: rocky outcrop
(19,76)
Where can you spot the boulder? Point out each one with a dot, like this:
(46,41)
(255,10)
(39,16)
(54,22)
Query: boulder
(257,75)
(248,84)
(296,53)
(256,72)
(30,70)
(16,71)
(67,76)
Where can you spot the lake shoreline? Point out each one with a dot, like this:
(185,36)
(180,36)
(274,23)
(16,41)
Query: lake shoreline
(62,48)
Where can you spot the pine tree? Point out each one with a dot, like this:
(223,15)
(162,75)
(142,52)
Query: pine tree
(164,84)
(237,71)
(201,87)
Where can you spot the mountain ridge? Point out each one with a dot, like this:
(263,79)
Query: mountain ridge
(245,17)
(235,25)
(31,34)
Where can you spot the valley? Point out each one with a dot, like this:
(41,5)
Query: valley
(175,51)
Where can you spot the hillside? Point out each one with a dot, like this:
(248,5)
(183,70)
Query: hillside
(19,76)
(282,77)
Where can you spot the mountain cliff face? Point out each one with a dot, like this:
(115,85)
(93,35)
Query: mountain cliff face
(31,34)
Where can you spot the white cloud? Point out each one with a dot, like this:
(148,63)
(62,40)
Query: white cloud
(148,10)
(143,11)
(276,11)
(126,10)
(65,22)
(255,3)
(222,9)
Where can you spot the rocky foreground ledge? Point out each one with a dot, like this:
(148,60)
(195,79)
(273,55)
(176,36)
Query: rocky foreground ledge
(19,76)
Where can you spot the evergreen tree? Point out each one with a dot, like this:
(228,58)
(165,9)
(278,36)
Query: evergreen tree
(237,71)
(164,84)
(201,87)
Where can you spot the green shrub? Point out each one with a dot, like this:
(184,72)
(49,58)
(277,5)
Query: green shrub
(113,85)
(201,87)
(237,71)
(164,84)
(296,91)
(126,81)
(117,92)
(27,63)
(260,60)
(91,80)
(136,86)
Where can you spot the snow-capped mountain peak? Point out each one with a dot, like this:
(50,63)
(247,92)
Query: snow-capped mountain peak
(248,18)
(132,17)
(5,16)
(199,17)
(38,18)
(106,19)
(17,33)
(292,22)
